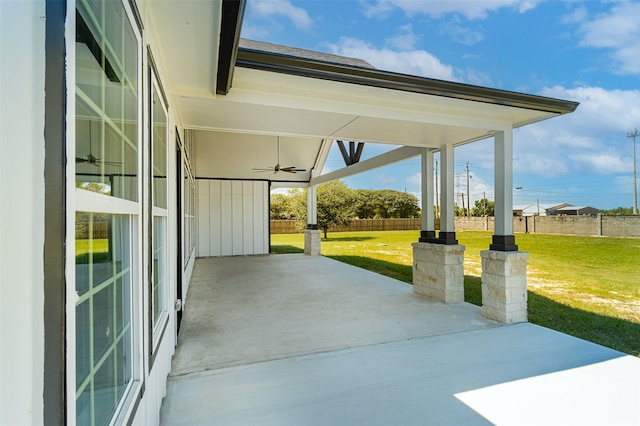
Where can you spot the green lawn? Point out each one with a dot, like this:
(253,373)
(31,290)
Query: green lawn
(588,287)
(99,249)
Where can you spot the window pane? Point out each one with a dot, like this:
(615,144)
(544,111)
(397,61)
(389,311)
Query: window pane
(159,145)
(104,391)
(103,314)
(106,100)
(159,265)
(83,361)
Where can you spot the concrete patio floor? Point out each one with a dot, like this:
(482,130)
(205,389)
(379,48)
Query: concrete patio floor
(299,340)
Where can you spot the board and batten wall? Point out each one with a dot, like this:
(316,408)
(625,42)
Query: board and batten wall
(233,217)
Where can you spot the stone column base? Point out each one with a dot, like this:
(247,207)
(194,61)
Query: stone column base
(312,242)
(438,271)
(504,286)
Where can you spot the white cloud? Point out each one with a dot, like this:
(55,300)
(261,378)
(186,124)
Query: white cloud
(462,32)
(414,62)
(601,163)
(270,8)
(476,9)
(415,179)
(592,140)
(255,32)
(619,32)
(405,39)
(577,16)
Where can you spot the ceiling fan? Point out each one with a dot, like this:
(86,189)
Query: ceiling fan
(91,159)
(278,168)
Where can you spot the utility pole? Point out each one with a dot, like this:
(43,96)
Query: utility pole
(633,135)
(484,203)
(437,194)
(468,198)
(462,196)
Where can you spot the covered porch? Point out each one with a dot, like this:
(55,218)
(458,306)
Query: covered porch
(295,339)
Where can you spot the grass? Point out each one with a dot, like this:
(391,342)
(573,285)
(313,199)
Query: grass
(99,249)
(584,286)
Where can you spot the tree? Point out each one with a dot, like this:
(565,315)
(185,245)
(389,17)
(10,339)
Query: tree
(335,205)
(366,202)
(483,207)
(400,204)
(621,211)
(386,203)
(281,207)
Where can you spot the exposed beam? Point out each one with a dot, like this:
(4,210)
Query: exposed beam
(381,160)
(231,25)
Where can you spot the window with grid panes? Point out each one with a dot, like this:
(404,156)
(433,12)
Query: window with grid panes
(107,101)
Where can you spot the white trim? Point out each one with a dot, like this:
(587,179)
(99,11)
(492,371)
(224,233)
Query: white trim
(70,238)
(93,202)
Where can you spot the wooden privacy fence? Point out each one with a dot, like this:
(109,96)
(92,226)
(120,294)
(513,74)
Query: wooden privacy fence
(100,231)
(601,225)
(289,226)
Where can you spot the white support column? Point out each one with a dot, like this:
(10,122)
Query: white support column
(503,239)
(428,233)
(312,208)
(438,263)
(447,196)
(504,268)
(312,233)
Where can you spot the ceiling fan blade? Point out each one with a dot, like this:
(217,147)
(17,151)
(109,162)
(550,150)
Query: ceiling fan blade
(109,163)
(292,169)
(91,161)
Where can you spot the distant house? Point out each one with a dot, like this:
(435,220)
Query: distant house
(576,211)
(536,209)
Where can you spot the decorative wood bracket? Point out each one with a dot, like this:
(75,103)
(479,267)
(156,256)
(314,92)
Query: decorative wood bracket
(355,151)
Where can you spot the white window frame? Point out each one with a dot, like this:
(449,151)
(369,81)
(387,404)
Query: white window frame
(158,327)
(79,200)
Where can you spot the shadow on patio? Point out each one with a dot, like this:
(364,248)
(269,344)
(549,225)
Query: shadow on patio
(305,340)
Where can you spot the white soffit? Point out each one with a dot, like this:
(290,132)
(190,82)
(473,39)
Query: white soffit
(189,35)
(268,102)
(235,155)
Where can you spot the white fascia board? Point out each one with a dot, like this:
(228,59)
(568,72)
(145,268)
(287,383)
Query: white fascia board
(381,160)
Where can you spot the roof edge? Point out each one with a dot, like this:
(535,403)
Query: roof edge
(273,62)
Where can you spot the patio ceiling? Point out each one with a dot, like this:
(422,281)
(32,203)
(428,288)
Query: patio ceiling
(306,101)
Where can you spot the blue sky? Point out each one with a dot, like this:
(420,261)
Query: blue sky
(583,51)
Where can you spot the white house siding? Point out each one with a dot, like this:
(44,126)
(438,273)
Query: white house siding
(233,217)
(22,77)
